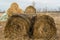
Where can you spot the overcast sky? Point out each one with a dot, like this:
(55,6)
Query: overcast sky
(54,4)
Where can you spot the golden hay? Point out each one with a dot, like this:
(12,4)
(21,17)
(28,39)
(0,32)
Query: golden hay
(30,9)
(14,9)
(17,27)
(44,27)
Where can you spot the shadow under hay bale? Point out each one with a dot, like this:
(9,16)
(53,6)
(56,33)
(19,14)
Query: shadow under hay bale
(33,18)
(44,28)
(17,27)
(30,10)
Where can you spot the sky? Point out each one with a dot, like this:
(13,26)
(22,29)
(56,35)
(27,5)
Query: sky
(39,4)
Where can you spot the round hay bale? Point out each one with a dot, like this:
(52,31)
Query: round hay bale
(44,27)
(17,27)
(14,8)
(30,10)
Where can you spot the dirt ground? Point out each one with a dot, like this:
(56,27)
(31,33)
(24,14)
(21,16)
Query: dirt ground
(56,17)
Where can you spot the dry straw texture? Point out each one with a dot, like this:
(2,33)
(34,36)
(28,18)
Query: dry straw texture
(17,27)
(44,28)
(22,27)
(14,9)
(30,10)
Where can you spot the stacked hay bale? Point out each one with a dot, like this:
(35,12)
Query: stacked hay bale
(44,28)
(14,9)
(17,27)
(30,10)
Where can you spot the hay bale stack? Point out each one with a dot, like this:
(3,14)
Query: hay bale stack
(30,10)
(44,28)
(14,9)
(17,27)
